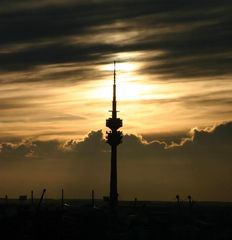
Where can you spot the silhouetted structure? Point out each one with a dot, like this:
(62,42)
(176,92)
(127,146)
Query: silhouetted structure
(6,200)
(114,138)
(32,197)
(41,199)
(62,198)
(190,202)
(93,199)
(135,202)
(23,198)
(178,201)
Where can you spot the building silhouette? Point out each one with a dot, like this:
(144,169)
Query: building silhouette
(114,138)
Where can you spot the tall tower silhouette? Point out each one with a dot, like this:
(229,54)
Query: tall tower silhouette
(114,138)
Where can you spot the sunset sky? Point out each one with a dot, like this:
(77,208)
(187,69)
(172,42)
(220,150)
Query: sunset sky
(174,87)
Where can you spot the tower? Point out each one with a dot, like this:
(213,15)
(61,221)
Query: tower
(114,138)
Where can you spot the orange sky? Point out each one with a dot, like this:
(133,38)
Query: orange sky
(146,103)
(174,94)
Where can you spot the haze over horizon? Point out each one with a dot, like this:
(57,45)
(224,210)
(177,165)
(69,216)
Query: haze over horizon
(174,95)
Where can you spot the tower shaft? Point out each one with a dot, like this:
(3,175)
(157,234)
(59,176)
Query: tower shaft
(113,177)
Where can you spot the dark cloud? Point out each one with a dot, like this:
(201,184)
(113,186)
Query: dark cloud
(55,54)
(93,143)
(202,159)
(193,36)
(215,138)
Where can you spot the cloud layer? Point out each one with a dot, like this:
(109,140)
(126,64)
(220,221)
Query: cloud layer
(199,165)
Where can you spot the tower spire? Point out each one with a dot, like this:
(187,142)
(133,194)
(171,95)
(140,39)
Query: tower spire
(114,72)
(114,103)
(114,138)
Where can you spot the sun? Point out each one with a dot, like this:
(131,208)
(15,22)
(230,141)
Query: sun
(128,85)
(126,89)
(120,67)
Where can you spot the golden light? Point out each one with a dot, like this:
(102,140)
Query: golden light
(120,67)
(125,91)
(128,85)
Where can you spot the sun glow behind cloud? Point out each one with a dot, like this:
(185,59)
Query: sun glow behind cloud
(146,103)
(129,85)
(120,67)
(60,85)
